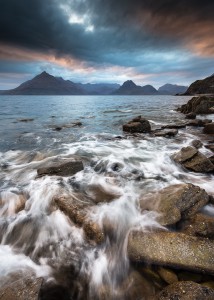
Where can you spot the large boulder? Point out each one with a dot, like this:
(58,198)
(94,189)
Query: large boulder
(175,202)
(65,167)
(26,288)
(198,105)
(137,125)
(186,290)
(172,249)
(209,128)
(193,160)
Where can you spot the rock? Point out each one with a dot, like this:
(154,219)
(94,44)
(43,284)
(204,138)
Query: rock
(166,133)
(137,125)
(64,167)
(77,208)
(186,290)
(193,160)
(210,147)
(191,115)
(209,128)
(175,202)
(26,288)
(198,105)
(199,225)
(211,158)
(197,144)
(174,126)
(167,275)
(26,120)
(58,128)
(99,194)
(198,122)
(209,284)
(172,249)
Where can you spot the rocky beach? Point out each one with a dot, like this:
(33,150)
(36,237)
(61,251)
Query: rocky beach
(111,216)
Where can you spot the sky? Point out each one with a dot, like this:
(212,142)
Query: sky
(148,41)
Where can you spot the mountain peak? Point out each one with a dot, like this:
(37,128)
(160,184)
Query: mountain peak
(44,74)
(129,84)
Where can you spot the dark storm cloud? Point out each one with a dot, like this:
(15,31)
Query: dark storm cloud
(119,26)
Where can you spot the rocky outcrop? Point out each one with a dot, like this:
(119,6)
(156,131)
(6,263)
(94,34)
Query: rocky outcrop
(172,249)
(175,202)
(191,115)
(209,128)
(198,105)
(22,289)
(61,168)
(190,158)
(137,125)
(203,86)
(186,290)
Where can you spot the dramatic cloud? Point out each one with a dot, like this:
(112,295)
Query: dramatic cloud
(147,39)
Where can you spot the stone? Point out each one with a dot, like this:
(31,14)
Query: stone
(197,144)
(26,120)
(174,126)
(199,225)
(175,202)
(198,122)
(210,147)
(190,158)
(186,290)
(209,128)
(26,288)
(171,249)
(63,167)
(166,133)
(99,194)
(137,125)
(167,275)
(198,105)
(191,115)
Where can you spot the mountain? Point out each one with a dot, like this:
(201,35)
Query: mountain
(203,86)
(130,88)
(46,84)
(98,88)
(172,89)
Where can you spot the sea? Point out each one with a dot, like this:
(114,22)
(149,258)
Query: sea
(37,237)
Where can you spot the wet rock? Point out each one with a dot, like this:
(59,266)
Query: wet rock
(167,275)
(198,105)
(166,133)
(210,147)
(198,122)
(172,249)
(191,115)
(186,290)
(199,225)
(11,203)
(209,128)
(26,120)
(175,202)
(137,125)
(26,288)
(190,158)
(61,168)
(99,194)
(57,128)
(77,208)
(197,144)
(174,126)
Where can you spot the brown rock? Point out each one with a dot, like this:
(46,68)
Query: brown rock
(167,275)
(175,202)
(209,128)
(193,160)
(172,249)
(210,147)
(198,105)
(191,115)
(99,194)
(197,144)
(61,168)
(26,288)
(166,133)
(186,290)
(199,225)
(137,125)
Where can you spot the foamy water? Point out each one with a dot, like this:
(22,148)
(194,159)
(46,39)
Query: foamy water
(37,236)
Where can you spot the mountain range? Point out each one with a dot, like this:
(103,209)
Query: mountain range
(46,84)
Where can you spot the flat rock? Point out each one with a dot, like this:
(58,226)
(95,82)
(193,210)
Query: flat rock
(172,249)
(166,133)
(61,168)
(186,290)
(137,125)
(209,128)
(175,202)
(190,158)
(27,288)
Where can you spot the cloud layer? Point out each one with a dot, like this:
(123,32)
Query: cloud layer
(146,38)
